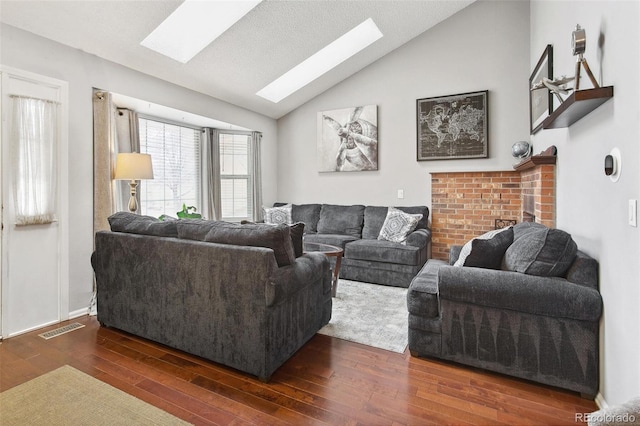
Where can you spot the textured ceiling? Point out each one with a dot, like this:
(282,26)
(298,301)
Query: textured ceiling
(267,42)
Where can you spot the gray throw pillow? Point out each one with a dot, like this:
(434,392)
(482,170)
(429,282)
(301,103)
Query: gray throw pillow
(145,225)
(543,252)
(277,215)
(487,250)
(275,237)
(398,225)
(297,231)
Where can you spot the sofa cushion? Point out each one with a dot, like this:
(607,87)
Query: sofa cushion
(542,251)
(297,232)
(194,229)
(146,225)
(382,251)
(277,215)
(397,225)
(275,237)
(338,240)
(345,220)
(487,250)
(307,213)
(374,219)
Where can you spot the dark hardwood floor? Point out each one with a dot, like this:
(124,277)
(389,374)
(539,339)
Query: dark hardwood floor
(329,381)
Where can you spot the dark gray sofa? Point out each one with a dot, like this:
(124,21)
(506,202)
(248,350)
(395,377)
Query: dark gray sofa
(541,328)
(248,304)
(355,229)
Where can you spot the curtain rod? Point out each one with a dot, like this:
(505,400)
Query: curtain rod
(34,99)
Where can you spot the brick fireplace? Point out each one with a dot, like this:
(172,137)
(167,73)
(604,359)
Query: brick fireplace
(467,204)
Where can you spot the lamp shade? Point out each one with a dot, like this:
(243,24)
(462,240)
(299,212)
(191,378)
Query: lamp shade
(133,166)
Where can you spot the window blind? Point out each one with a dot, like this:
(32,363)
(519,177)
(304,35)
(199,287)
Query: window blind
(235,177)
(175,154)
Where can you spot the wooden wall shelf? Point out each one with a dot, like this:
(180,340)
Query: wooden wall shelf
(576,106)
(535,160)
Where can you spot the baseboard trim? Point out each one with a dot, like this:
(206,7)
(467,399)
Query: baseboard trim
(600,402)
(79,313)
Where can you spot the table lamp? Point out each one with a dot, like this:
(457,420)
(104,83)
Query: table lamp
(133,167)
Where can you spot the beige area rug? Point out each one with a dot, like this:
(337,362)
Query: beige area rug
(67,396)
(371,314)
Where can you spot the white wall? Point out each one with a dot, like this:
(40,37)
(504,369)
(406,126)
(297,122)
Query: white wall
(589,206)
(483,47)
(83,71)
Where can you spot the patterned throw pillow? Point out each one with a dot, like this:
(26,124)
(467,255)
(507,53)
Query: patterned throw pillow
(398,225)
(487,250)
(278,215)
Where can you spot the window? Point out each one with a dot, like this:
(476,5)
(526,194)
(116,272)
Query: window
(235,177)
(175,152)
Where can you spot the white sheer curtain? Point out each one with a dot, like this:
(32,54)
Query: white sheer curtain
(34,137)
(256,175)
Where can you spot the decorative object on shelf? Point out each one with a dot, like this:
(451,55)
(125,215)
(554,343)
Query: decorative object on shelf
(540,98)
(578,46)
(453,127)
(188,213)
(352,146)
(521,149)
(133,166)
(557,86)
(548,156)
(613,165)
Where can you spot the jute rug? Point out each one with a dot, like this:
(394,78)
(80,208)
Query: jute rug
(374,315)
(67,396)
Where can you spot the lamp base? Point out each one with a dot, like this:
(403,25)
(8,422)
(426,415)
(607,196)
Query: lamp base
(133,203)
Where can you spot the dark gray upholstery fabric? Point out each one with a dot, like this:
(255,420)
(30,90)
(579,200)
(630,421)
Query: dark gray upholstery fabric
(226,303)
(144,225)
(297,232)
(194,229)
(307,213)
(275,237)
(488,252)
(544,329)
(382,251)
(374,219)
(523,228)
(347,220)
(391,274)
(544,252)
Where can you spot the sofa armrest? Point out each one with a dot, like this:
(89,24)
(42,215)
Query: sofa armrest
(553,297)
(454,254)
(419,238)
(308,269)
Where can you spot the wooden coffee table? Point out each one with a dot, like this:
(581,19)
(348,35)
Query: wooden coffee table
(330,251)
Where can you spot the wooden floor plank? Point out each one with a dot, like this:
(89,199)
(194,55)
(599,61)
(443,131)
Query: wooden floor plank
(328,381)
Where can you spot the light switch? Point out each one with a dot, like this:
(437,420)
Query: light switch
(633,212)
(400,193)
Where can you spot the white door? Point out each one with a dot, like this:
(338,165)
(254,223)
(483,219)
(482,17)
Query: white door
(34,271)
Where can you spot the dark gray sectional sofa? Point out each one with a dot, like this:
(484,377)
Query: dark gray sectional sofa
(355,229)
(233,294)
(533,314)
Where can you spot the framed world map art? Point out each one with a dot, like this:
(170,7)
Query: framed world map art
(453,127)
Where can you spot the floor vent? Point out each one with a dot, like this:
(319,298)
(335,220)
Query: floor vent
(62,330)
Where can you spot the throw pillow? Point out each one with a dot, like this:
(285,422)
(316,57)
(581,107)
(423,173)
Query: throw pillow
(487,250)
(277,215)
(145,225)
(398,225)
(297,232)
(543,252)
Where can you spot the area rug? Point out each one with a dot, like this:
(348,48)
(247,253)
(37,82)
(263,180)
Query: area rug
(374,315)
(67,396)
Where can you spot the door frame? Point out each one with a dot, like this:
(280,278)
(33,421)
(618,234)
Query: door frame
(62,88)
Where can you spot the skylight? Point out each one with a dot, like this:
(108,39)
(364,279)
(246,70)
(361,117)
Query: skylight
(324,60)
(194,25)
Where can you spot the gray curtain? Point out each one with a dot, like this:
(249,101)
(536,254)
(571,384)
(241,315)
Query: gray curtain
(127,140)
(256,185)
(211,185)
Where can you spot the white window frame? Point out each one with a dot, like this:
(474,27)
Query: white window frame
(248,176)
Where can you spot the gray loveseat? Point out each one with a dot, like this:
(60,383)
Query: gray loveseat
(233,294)
(529,307)
(355,229)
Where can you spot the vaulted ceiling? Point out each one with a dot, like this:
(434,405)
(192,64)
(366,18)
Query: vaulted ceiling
(263,45)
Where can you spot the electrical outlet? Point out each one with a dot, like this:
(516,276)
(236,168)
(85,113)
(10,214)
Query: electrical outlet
(400,194)
(633,212)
